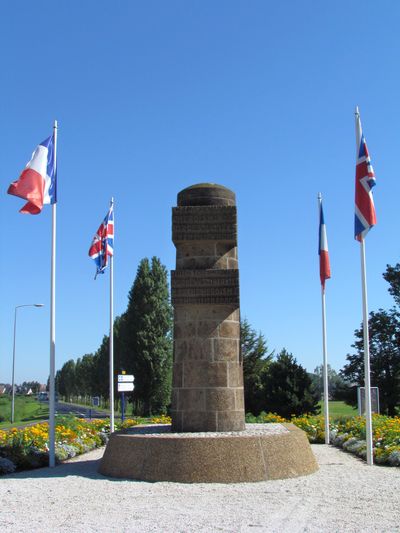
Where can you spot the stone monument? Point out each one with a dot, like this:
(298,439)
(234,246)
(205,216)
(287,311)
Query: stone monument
(208,372)
(208,440)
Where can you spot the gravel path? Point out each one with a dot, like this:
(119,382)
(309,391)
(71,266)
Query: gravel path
(345,495)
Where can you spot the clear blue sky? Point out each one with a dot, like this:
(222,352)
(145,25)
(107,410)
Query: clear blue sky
(152,97)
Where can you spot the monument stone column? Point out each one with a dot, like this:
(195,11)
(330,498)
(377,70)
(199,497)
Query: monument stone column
(207,390)
(207,394)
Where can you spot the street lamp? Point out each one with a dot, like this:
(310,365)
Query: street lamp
(13,365)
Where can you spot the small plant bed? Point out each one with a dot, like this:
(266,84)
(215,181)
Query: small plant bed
(348,433)
(27,448)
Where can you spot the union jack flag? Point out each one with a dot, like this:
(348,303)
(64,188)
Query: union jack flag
(365,216)
(103,242)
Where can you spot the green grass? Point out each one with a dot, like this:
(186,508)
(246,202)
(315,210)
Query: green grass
(339,409)
(26,409)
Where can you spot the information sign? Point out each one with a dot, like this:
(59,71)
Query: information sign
(125,387)
(374,400)
(125,378)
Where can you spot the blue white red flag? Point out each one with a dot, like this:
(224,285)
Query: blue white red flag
(324,265)
(103,243)
(38,181)
(365,216)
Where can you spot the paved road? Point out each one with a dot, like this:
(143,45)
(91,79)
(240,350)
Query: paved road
(79,410)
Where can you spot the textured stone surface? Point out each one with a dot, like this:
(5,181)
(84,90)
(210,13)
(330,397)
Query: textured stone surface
(261,452)
(207,371)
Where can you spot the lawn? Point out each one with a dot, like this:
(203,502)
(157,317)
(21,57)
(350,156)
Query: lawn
(339,409)
(27,409)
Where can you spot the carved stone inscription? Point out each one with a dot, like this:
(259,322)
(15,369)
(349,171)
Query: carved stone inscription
(199,223)
(205,287)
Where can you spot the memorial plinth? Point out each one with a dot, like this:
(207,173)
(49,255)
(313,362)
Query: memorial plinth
(208,440)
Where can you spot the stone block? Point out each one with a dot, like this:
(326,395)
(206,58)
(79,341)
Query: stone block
(226,349)
(177,374)
(205,374)
(235,375)
(196,422)
(192,400)
(239,399)
(207,328)
(229,329)
(230,421)
(220,400)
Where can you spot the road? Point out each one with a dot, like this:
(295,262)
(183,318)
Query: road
(79,410)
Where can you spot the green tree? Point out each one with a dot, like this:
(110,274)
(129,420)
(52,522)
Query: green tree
(84,370)
(256,358)
(384,336)
(33,385)
(392,276)
(288,389)
(338,387)
(65,379)
(145,342)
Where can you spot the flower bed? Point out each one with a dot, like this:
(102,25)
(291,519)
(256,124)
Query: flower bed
(22,449)
(349,433)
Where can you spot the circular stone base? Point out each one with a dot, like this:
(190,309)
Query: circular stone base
(261,452)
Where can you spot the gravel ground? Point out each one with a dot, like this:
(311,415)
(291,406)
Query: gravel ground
(344,495)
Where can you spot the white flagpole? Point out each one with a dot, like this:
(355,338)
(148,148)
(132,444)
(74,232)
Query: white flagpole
(325,353)
(325,369)
(112,336)
(52,399)
(368,413)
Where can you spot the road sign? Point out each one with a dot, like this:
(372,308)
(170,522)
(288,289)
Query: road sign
(125,387)
(95,401)
(125,378)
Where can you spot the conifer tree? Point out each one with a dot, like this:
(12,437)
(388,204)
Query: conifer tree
(256,359)
(145,339)
(288,388)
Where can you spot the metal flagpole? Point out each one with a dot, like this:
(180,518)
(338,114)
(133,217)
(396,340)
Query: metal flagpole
(325,354)
(52,399)
(325,368)
(112,335)
(368,414)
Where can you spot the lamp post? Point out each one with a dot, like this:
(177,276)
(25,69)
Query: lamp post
(13,364)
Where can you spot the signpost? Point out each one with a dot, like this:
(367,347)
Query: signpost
(125,384)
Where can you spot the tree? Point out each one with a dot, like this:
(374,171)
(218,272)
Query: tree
(338,387)
(288,389)
(145,337)
(33,385)
(384,335)
(84,370)
(255,361)
(392,276)
(65,379)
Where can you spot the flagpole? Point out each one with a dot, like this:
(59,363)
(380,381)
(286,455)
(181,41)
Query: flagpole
(52,429)
(325,368)
(368,413)
(112,337)
(325,353)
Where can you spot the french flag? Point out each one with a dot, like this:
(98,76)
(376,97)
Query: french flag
(37,182)
(324,266)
